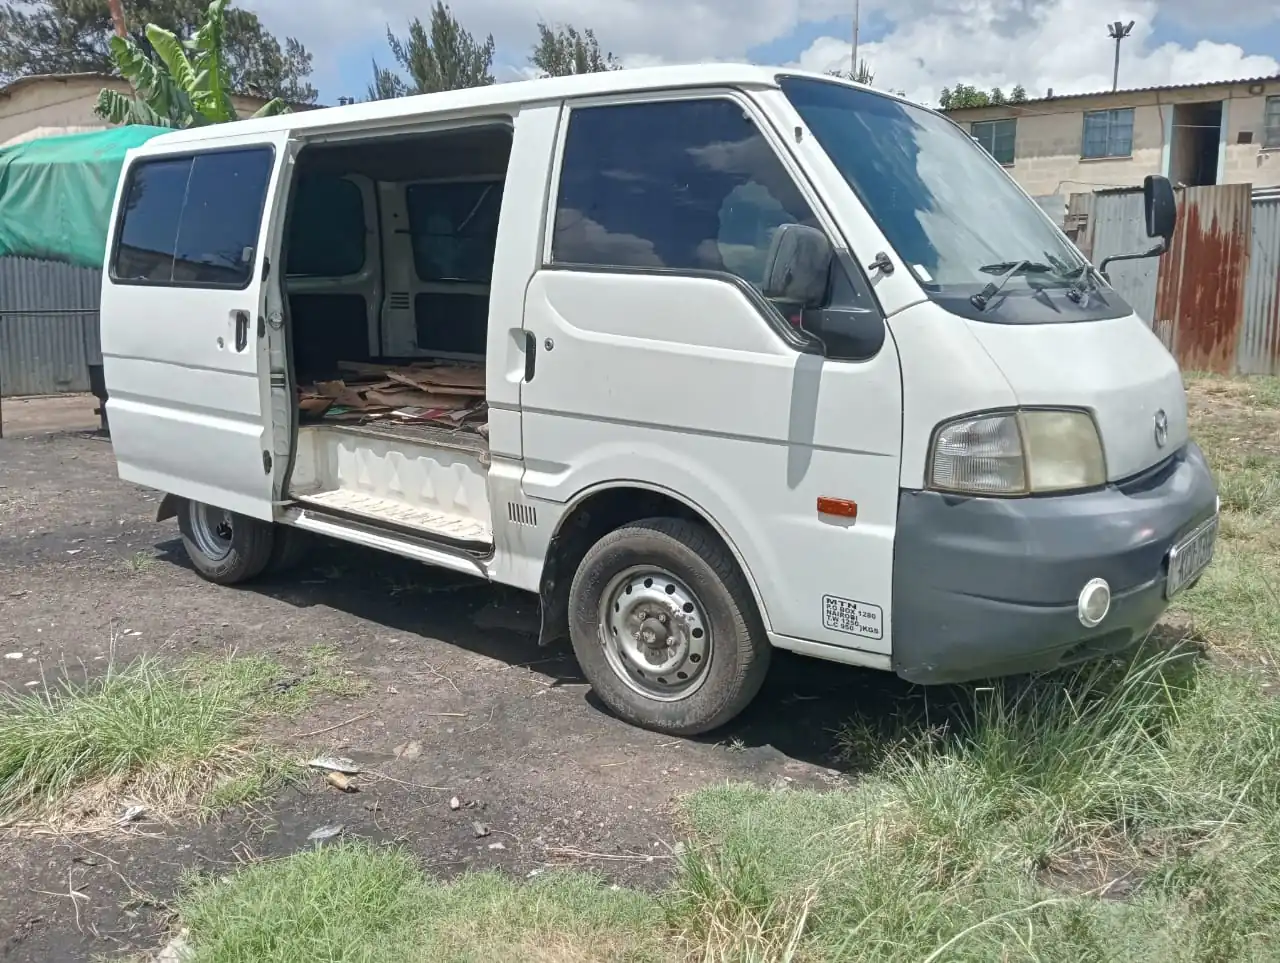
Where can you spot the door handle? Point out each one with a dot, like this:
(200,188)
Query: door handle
(530,355)
(242,330)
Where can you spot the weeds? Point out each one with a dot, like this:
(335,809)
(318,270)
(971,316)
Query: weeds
(1011,825)
(357,903)
(139,562)
(171,738)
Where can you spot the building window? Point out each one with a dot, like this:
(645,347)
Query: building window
(1108,133)
(1271,122)
(194,221)
(996,137)
(688,185)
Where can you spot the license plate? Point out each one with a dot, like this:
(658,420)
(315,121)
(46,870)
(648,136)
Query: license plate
(1190,557)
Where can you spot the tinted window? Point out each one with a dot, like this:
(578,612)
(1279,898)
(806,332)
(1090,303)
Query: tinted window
(195,220)
(454,229)
(218,234)
(1108,133)
(326,227)
(996,137)
(686,185)
(150,229)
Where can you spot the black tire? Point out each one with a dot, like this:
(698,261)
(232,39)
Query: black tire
(739,651)
(243,553)
(288,550)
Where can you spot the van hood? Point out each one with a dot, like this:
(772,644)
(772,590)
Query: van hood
(1117,369)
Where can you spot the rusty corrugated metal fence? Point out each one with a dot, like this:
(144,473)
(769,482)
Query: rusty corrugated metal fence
(1258,351)
(1214,297)
(1200,293)
(48,327)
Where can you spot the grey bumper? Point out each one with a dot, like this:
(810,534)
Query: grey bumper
(988,586)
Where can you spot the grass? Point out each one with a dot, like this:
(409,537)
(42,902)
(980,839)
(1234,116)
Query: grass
(1008,830)
(1125,811)
(359,903)
(1237,607)
(173,738)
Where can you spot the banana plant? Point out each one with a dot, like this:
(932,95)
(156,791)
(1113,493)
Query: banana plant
(187,87)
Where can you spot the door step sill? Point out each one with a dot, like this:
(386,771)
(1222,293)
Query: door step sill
(384,539)
(465,533)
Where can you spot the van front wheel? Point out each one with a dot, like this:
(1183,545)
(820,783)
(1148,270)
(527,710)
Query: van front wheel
(224,547)
(665,627)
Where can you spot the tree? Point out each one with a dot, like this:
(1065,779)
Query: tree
(187,85)
(965,95)
(386,84)
(863,75)
(73,36)
(446,57)
(563,51)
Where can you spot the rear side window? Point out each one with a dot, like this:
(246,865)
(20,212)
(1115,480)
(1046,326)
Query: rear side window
(327,233)
(454,229)
(193,221)
(683,185)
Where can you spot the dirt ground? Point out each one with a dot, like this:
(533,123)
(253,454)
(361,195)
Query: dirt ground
(452,664)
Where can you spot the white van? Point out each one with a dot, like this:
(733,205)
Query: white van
(769,359)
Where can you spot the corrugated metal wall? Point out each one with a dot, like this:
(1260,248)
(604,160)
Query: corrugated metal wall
(1214,298)
(1115,223)
(1259,349)
(1202,278)
(48,327)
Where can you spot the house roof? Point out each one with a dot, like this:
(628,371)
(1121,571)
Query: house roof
(31,80)
(1031,101)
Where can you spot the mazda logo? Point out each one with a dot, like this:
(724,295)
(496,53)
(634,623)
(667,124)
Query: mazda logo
(1162,429)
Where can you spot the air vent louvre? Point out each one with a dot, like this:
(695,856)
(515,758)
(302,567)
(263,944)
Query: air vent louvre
(521,514)
(398,301)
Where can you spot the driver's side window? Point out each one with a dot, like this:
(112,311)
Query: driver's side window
(682,185)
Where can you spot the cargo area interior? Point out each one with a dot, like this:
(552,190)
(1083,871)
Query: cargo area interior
(389,255)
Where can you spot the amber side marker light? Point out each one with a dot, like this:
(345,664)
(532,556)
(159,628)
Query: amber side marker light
(838,507)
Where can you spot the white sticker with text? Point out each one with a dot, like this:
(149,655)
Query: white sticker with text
(852,618)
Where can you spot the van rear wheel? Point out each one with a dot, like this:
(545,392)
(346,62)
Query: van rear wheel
(665,627)
(225,547)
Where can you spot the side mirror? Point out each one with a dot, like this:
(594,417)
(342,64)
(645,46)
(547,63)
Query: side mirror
(1161,207)
(1162,218)
(798,266)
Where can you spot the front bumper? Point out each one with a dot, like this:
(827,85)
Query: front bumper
(984,587)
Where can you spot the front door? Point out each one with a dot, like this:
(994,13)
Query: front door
(661,365)
(186,366)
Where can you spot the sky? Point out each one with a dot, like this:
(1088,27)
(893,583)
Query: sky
(915,46)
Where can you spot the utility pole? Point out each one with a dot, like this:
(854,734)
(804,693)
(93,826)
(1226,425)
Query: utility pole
(857,17)
(1118,31)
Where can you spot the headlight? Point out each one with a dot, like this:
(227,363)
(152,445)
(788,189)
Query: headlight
(1017,453)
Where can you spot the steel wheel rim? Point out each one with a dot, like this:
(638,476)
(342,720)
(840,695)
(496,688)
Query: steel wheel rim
(655,633)
(212,530)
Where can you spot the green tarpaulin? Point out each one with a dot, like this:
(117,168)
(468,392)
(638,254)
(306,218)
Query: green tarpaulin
(56,194)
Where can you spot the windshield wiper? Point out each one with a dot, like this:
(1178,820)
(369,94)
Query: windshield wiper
(1083,283)
(1006,270)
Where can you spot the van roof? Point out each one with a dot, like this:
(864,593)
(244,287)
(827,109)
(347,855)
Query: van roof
(497,97)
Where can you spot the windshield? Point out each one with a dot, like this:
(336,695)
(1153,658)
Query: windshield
(949,210)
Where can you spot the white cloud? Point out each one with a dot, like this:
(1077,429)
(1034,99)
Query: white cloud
(1059,44)
(931,43)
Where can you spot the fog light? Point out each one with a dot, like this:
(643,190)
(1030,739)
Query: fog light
(1094,603)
